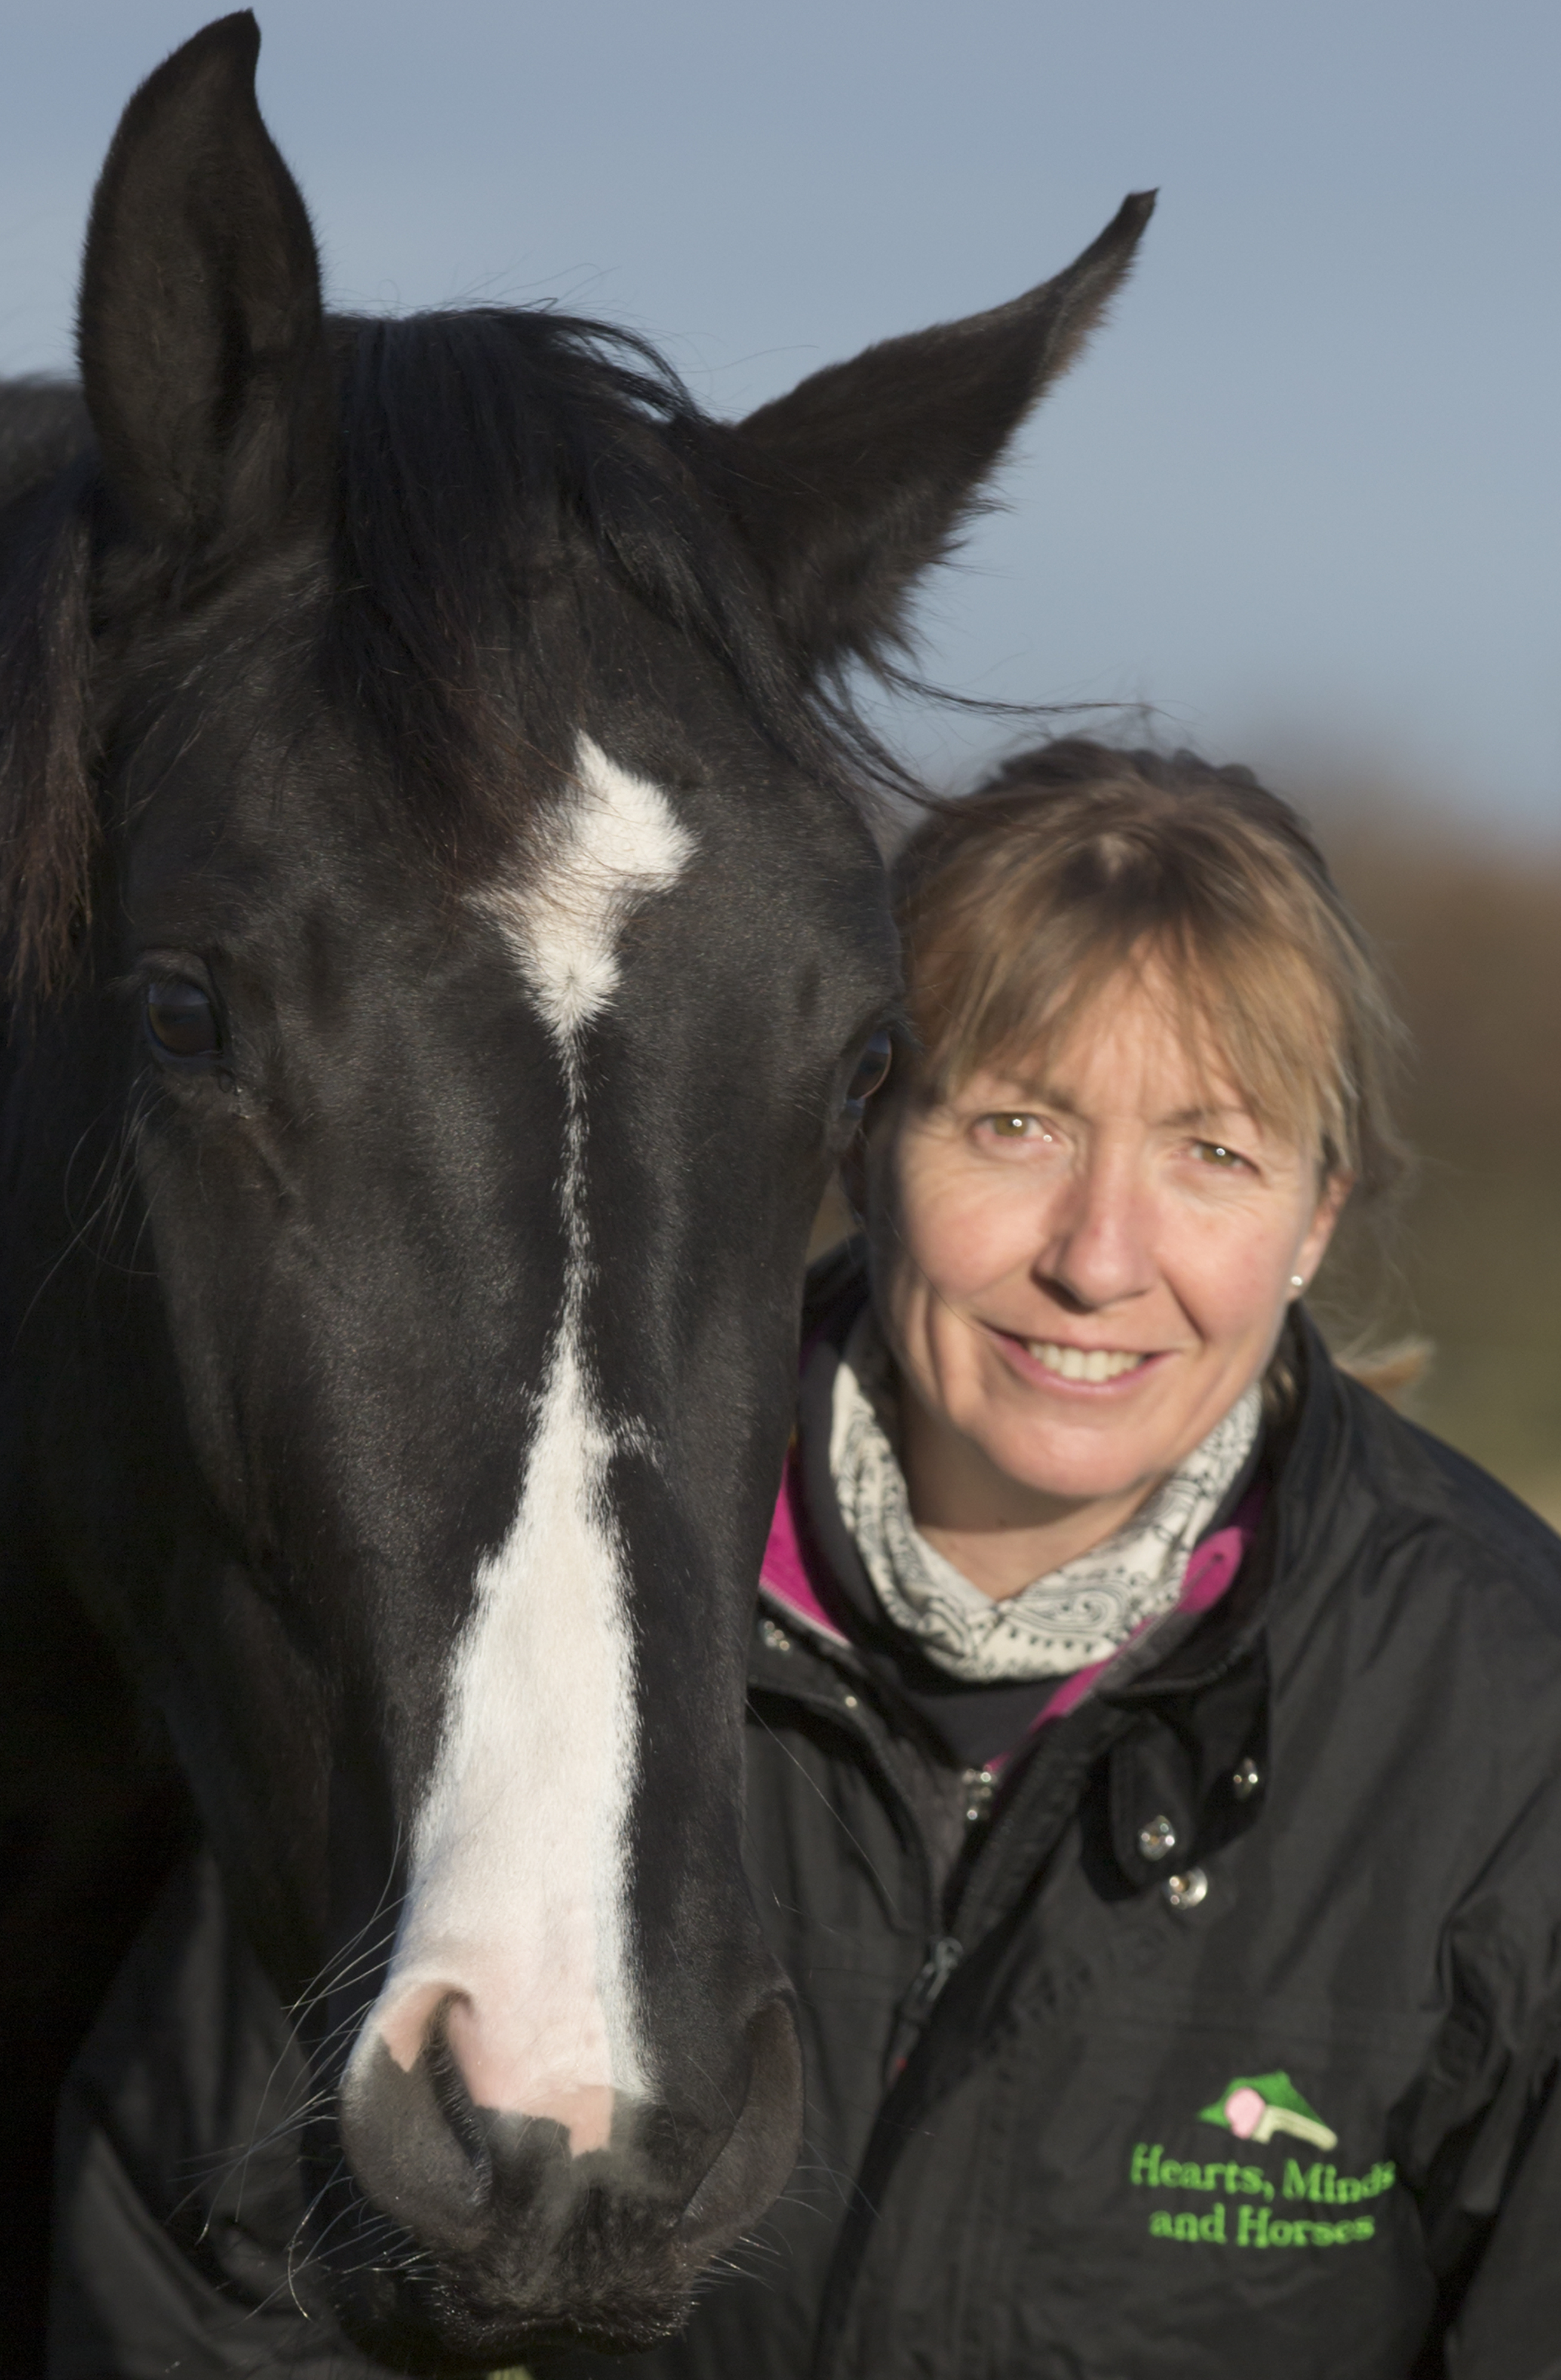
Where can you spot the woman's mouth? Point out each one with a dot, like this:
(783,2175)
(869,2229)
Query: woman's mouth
(1052,1363)
(1084,1363)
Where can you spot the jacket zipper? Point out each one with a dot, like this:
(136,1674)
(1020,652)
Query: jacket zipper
(917,2007)
(945,1950)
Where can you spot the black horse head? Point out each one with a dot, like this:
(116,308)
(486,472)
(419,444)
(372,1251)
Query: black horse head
(451,936)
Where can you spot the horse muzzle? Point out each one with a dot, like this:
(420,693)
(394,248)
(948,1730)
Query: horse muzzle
(469,2233)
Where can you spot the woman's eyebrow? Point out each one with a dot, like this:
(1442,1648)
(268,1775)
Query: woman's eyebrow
(1186,1119)
(1019,1094)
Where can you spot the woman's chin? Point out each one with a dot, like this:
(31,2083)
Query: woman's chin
(1078,1465)
(1080,1450)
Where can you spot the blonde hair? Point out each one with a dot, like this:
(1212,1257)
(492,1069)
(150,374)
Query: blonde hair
(1018,905)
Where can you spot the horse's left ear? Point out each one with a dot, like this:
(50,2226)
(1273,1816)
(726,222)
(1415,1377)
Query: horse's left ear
(852,486)
(200,331)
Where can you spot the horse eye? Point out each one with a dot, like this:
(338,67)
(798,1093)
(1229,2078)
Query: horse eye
(869,1072)
(181,1020)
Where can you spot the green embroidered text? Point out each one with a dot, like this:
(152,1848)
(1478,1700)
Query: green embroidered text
(1248,2226)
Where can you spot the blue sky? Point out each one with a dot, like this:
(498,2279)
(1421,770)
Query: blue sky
(1302,497)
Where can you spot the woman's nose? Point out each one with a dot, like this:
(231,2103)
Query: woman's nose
(1098,1248)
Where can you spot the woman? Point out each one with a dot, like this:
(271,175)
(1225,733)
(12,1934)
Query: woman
(1154,1761)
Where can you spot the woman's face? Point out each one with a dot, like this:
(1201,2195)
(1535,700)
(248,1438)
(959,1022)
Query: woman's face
(1080,1273)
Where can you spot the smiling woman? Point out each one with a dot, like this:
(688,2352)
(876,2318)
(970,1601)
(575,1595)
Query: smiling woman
(1082,1275)
(1154,1740)
(1148,1066)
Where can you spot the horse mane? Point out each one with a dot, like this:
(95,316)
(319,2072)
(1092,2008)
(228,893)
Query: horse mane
(48,824)
(473,446)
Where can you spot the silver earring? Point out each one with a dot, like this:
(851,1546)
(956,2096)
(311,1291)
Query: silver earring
(1296,1282)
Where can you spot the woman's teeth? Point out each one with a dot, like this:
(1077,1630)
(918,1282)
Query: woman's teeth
(1077,1364)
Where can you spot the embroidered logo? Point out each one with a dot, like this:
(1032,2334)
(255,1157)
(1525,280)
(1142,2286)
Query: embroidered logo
(1240,2203)
(1255,2107)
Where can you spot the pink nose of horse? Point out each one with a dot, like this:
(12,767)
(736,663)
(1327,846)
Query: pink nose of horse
(513,2135)
(537,2062)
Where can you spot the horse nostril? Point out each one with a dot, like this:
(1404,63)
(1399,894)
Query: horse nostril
(487,2060)
(753,2167)
(451,2096)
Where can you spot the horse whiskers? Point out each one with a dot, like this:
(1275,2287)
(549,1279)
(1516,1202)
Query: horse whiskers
(337,1968)
(75,1237)
(225,2163)
(349,1964)
(389,2250)
(356,1955)
(324,2050)
(208,2189)
(336,2176)
(102,1223)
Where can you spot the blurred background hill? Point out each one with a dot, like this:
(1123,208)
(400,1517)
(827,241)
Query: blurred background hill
(1472,938)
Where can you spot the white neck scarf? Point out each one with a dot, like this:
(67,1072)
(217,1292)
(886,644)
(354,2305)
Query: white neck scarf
(1060,1623)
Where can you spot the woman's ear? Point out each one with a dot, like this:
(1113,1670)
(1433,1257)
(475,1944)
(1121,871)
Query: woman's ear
(1335,1191)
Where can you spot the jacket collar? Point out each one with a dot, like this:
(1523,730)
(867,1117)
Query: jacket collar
(1311,1511)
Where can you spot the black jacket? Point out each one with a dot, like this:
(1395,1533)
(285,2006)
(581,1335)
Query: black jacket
(1019,2163)
(1040,2070)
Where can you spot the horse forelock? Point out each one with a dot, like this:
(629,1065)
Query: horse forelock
(483,452)
(480,453)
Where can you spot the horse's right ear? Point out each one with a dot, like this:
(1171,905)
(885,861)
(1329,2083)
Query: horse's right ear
(854,484)
(200,333)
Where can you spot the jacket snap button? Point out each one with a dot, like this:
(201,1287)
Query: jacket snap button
(1158,1839)
(1185,1891)
(1247,1779)
(775,1638)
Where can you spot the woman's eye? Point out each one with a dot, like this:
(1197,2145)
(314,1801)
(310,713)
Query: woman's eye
(181,1021)
(1214,1152)
(1012,1127)
(867,1073)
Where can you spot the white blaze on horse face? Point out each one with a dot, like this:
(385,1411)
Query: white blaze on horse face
(517,1917)
(601,855)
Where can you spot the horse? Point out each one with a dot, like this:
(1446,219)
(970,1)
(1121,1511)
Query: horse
(446,951)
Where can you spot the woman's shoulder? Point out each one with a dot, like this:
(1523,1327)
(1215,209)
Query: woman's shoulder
(1472,1531)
